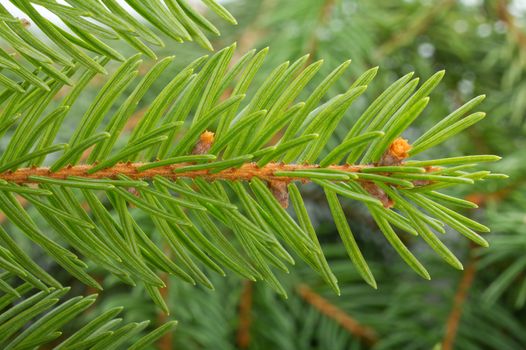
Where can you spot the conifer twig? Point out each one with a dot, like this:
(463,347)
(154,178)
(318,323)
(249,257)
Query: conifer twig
(367,334)
(395,155)
(246,172)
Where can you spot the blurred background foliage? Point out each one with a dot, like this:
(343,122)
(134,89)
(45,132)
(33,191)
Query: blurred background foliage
(482,46)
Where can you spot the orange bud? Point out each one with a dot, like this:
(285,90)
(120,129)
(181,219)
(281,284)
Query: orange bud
(205,142)
(399,148)
(396,153)
(207,137)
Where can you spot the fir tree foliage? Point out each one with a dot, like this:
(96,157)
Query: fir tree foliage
(216,164)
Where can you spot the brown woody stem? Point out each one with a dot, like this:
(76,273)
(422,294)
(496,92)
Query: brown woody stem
(244,173)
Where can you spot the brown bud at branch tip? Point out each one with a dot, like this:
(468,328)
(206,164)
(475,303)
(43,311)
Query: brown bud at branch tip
(378,193)
(280,192)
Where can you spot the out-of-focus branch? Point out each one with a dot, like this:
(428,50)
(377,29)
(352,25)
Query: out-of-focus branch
(245,315)
(324,17)
(367,334)
(482,198)
(461,295)
(414,28)
(507,17)
(166,341)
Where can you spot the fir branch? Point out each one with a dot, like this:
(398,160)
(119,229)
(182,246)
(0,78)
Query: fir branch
(190,164)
